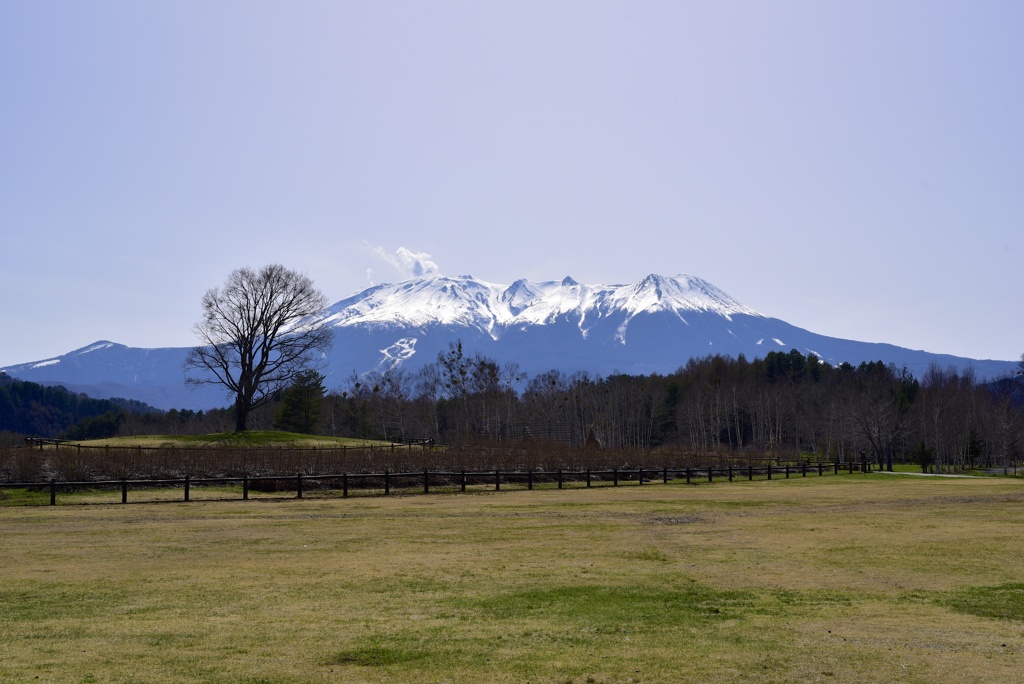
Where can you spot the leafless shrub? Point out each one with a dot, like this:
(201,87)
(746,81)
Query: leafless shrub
(72,463)
(20,465)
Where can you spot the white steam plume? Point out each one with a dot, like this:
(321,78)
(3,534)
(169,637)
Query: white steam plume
(407,263)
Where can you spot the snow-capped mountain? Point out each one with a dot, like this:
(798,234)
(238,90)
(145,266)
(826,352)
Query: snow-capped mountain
(491,309)
(653,326)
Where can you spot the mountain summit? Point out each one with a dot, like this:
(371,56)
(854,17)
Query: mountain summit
(436,299)
(653,326)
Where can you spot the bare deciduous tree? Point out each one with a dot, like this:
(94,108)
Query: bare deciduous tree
(254,335)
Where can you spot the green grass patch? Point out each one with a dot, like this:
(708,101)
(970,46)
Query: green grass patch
(377,656)
(1003,602)
(54,601)
(24,497)
(614,609)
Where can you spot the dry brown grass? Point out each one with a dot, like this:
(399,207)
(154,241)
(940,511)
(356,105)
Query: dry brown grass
(848,579)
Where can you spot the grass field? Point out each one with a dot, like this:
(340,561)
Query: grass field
(839,579)
(249,438)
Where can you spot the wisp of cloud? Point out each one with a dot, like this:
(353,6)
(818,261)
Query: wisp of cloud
(407,263)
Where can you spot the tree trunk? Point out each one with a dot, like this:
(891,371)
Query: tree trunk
(241,414)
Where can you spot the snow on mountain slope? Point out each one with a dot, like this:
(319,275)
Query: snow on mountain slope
(429,299)
(435,299)
(679,294)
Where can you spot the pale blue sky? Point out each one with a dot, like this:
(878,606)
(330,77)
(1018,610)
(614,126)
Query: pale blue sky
(853,167)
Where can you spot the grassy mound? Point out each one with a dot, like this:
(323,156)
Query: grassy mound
(260,438)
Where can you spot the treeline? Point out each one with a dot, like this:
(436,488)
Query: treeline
(296,409)
(786,404)
(31,409)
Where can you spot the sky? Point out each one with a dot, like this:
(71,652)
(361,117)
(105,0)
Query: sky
(853,167)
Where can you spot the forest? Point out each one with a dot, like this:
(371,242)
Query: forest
(786,404)
(31,409)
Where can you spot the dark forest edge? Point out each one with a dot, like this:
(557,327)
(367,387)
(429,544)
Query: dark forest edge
(31,409)
(786,404)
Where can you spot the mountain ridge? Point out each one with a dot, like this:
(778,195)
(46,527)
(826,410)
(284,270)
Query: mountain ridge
(436,298)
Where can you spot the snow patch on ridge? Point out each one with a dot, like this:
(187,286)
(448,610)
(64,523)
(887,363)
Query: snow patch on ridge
(400,351)
(97,347)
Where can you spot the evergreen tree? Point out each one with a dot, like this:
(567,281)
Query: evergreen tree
(923,456)
(301,403)
(974,447)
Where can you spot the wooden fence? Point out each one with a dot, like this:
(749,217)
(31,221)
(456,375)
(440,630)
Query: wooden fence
(392,481)
(79,463)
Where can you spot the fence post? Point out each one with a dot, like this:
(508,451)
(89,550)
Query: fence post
(387,483)
(588,477)
(803,469)
(710,474)
(615,477)
(426,482)
(750,472)
(820,470)
(497,480)
(836,464)
(245,487)
(640,476)
(463,480)
(769,471)
(53,490)
(559,478)
(124,491)
(851,467)
(186,488)
(787,471)
(664,475)
(730,472)
(687,476)
(529,479)
(298,486)
(344,485)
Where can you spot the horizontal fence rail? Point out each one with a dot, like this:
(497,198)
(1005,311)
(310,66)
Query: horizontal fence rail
(451,480)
